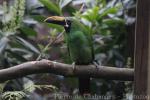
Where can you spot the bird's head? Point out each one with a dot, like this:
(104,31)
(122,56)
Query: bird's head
(65,22)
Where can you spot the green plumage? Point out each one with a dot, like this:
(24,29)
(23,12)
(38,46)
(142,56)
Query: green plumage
(79,43)
(80,48)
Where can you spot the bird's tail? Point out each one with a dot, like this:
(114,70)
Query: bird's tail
(84,85)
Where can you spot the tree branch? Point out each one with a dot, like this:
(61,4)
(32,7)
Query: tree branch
(46,66)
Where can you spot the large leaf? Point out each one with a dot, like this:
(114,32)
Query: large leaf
(3,44)
(28,31)
(91,14)
(21,51)
(2,86)
(16,55)
(112,22)
(38,18)
(104,12)
(51,6)
(28,45)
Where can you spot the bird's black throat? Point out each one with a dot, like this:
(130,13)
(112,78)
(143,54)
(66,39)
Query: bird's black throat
(67,26)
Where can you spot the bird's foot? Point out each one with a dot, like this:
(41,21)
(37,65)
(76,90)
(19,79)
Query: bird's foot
(73,65)
(96,63)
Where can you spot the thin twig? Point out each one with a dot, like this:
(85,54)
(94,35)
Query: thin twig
(124,8)
(49,44)
(81,9)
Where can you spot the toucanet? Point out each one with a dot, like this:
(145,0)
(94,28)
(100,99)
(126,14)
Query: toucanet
(79,44)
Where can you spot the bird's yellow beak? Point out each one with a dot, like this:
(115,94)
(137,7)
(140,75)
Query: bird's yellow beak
(54,19)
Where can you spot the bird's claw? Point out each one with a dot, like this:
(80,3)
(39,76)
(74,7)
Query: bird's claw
(97,64)
(73,65)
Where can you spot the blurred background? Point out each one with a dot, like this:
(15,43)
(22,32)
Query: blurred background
(24,36)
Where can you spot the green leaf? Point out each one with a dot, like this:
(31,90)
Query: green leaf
(38,18)
(113,22)
(3,44)
(2,86)
(28,31)
(91,14)
(51,6)
(104,12)
(29,87)
(28,45)
(16,55)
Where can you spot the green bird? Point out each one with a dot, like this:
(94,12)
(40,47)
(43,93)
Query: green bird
(79,43)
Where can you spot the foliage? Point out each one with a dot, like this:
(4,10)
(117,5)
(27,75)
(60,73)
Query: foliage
(22,94)
(12,17)
(24,36)
(11,44)
(30,87)
(15,95)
